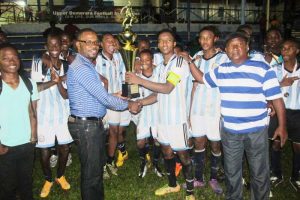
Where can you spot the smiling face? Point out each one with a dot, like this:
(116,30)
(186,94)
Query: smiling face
(88,45)
(9,60)
(54,46)
(108,44)
(237,50)
(273,39)
(207,40)
(146,60)
(66,42)
(166,43)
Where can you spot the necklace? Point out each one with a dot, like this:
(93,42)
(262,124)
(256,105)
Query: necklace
(286,94)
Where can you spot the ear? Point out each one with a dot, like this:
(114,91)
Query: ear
(77,44)
(174,44)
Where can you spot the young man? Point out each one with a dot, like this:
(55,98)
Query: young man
(147,119)
(111,66)
(172,116)
(205,111)
(245,87)
(53,112)
(272,46)
(288,74)
(18,132)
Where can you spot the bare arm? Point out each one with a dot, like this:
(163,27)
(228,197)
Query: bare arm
(281,129)
(151,99)
(33,121)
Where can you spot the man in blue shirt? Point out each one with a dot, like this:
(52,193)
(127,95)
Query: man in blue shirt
(245,86)
(88,103)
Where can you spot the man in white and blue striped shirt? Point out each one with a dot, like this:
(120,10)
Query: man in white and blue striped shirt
(245,87)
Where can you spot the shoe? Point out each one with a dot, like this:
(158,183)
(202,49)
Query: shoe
(197,184)
(46,189)
(275,181)
(53,160)
(121,158)
(112,168)
(63,183)
(221,175)
(215,186)
(148,159)
(246,183)
(105,173)
(158,171)
(295,184)
(69,161)
(143,170)
(178,169)
(190,197)
(166,190)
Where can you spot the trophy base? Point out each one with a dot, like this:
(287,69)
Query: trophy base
(130,90)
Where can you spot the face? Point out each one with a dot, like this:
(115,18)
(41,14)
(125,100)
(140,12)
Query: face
(90,48)
(237,50)
(108,44)
(9,61)
(143,45)
(146,61)
(273,39)
(54,47)
(207,40)
(289,51)
(66,42)
(166,43)
(177,50)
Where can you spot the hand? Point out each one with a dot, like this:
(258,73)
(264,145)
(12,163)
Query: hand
(33,140)
(3,149)
(63,78)
(119,94)
(132,78)
(282,134)
(185,56)
(288,81)
(54,76)
(134,107)
(272,109)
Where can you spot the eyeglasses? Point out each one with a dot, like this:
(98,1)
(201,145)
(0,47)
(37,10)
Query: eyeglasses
(90,43)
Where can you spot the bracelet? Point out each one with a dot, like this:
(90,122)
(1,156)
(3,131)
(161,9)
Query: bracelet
(191,61)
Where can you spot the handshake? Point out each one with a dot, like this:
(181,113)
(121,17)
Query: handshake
(134,106)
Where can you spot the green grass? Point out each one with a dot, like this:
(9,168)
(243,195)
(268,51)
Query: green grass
(128,186)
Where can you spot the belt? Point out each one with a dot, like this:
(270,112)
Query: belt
(73,117)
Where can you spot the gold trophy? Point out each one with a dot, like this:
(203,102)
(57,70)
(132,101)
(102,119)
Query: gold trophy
(128,51)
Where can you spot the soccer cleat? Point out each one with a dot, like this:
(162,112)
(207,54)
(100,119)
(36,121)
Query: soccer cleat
(275,181)
(69,161)
(178,169)
(105,173)
(46,189)
(190,197)
(63,183)
(121,158)
(112,168)
(53,160)
(157,171)
(148,159)
(197,184)
(295,184)
(143,170)
(246,183)
(166,190)
(215,186)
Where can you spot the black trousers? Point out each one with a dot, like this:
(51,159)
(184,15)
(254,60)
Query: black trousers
(89,137)
(16,168)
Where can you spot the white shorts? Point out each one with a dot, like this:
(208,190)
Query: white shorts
(206,126)
(143,132)
(176,136)
(47,135)
(118,118)
(135,118)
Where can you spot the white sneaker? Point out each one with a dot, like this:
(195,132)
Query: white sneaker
(53,160)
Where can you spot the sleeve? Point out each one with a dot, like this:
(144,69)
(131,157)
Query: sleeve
(36,70)
(210,78)
(35,93)
(91,83)
(271,86)
(178,72)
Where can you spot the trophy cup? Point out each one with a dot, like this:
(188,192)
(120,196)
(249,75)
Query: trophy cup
(128,51)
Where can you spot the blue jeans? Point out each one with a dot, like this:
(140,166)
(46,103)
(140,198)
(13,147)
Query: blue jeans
(16,172)
(256,147)
(90,140)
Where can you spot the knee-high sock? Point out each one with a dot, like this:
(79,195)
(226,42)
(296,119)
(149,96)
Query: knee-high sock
(170,168)
(214,165)
(199,158)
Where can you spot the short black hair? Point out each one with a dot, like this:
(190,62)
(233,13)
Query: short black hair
(236,35)
(8,45)
(107,33)
(147,51)
(212,29)
(53,35)
(144,40)
(84,30)
(275,30)
(292,40)
(167,31)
